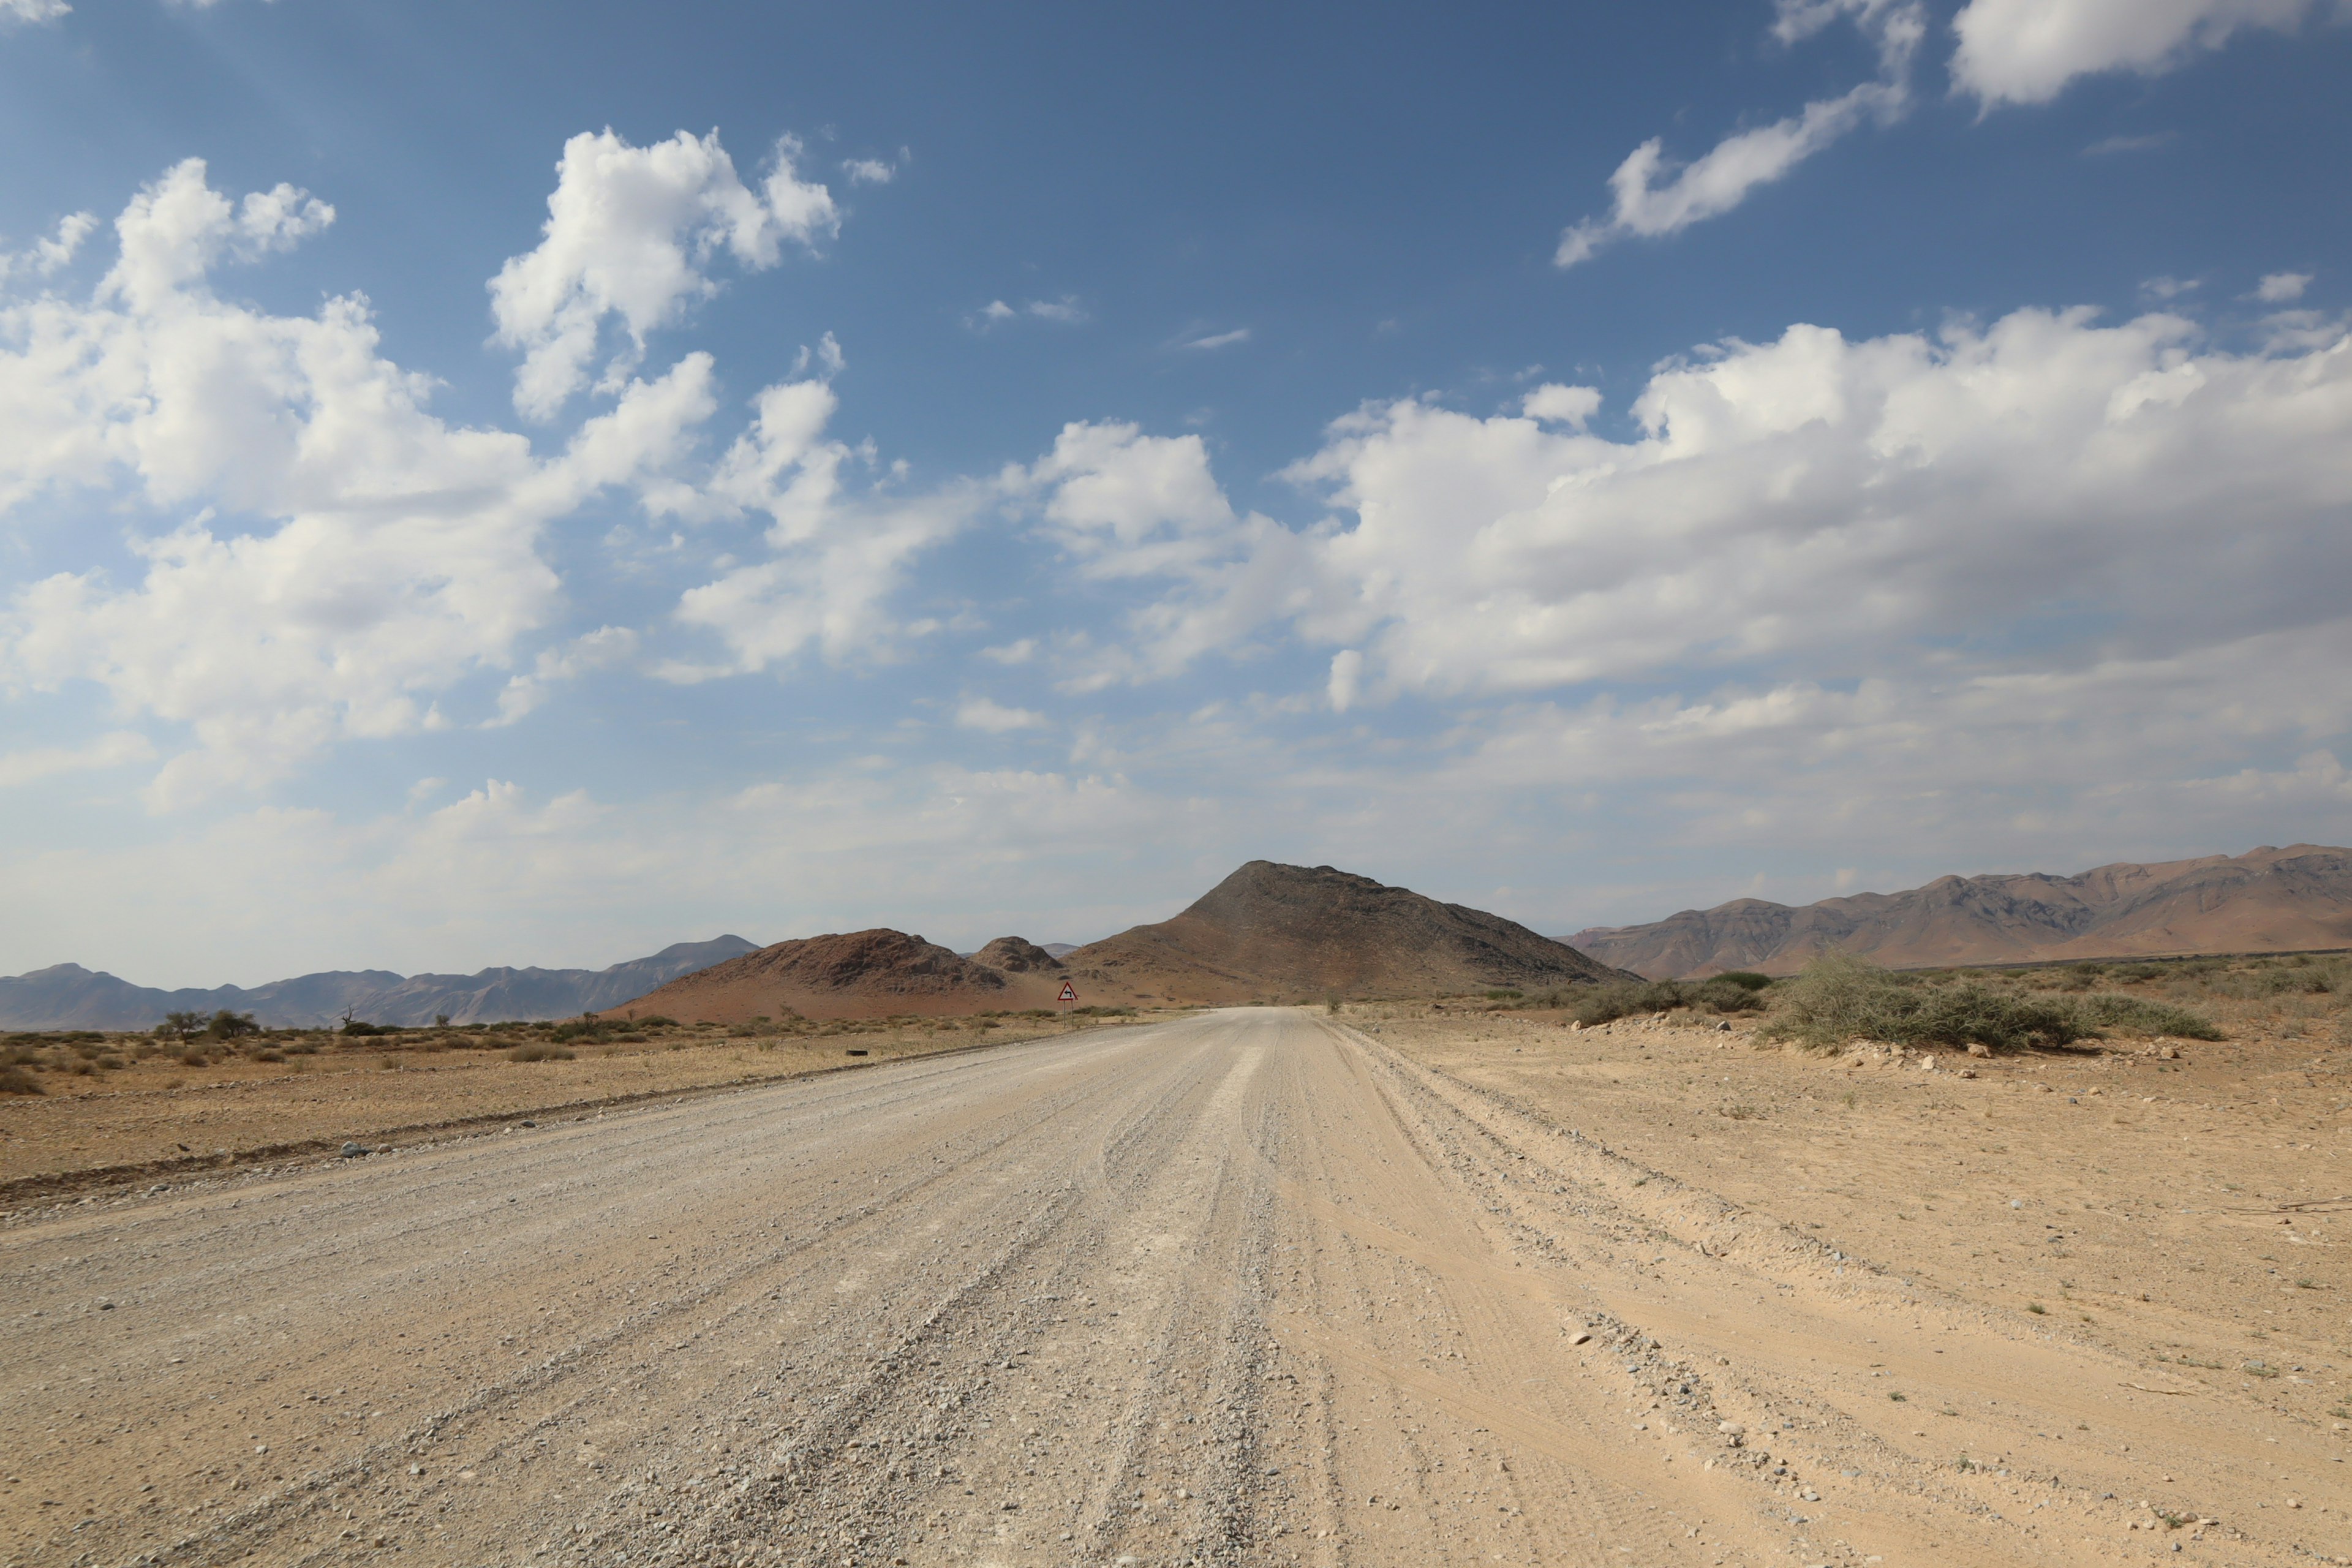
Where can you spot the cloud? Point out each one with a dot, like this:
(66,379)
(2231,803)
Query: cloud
(629,233)
(838,553)
(603,649)
(1064,312)
(336,556)
(2026,51)
(32,10)
(1347,680)
(52,256)
(2107,145)
(1219,340)
(2040,489)
(1122,505)
(2170,288)
(981,713)
(868,171)
(117,749)
(2281,288)
(1651,198)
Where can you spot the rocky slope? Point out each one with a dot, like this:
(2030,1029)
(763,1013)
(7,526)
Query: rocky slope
(1293,933)
(2267,900)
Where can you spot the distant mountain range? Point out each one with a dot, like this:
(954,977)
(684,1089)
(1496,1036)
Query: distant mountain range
(2267,900)
(67,996)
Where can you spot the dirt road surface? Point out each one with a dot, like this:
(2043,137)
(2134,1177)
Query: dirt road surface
(1247,1287)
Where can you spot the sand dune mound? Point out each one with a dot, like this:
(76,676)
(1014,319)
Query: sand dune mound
(1017,955)
(2267,900)
(1293,932)
(857,974)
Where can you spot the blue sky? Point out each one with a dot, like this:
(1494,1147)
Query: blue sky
(530,484)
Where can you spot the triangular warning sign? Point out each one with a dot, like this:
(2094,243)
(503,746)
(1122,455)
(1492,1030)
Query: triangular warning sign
(1069,993)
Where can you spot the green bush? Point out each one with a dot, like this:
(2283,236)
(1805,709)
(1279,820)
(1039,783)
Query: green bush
(1601,1004)
(1746,979)
(2138,1015)
(1839,997)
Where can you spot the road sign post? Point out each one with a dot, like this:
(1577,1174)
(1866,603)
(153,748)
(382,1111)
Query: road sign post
(1069,994)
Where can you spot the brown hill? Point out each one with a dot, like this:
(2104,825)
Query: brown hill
(861,974)
(1291,932)
(2268,900)
(1017,955)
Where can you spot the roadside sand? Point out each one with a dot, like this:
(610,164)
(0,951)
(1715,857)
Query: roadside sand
(171,1120)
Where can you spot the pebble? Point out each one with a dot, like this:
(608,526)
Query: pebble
(353,1150)
(1580,1338)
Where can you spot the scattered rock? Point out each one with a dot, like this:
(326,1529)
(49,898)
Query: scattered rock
(353,1150)
(1580,1338)
(1979,1048)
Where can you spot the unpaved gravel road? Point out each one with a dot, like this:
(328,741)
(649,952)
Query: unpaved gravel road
(1244,1287)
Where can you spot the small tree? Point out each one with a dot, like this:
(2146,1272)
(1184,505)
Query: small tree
(227,1026)
(181,1026)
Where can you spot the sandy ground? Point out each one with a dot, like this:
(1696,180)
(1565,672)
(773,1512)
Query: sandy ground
(1251,1287)
(177,1121)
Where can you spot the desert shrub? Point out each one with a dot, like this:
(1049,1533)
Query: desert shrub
(1504,996)
(1094,1012)
(272,1055)
(656,1021)
(1746,979)
(227,1026)
(195,1059)
(1601,1004)
(14,1080)
(1839,997)
(362,1026)
(2140,1015)
(538,1053)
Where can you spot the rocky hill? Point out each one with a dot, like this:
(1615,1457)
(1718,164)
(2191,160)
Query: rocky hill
(856,974)
(1294,933)
(67,996)
(2267,900)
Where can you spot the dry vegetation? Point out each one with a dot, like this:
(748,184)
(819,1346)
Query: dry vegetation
(1840,999)
(74,1104)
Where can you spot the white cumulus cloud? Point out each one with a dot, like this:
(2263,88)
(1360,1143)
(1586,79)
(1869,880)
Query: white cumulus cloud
(332,555)
(630,232)
(1813,502)
(838,553)
(2281,288)
(2026,51)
